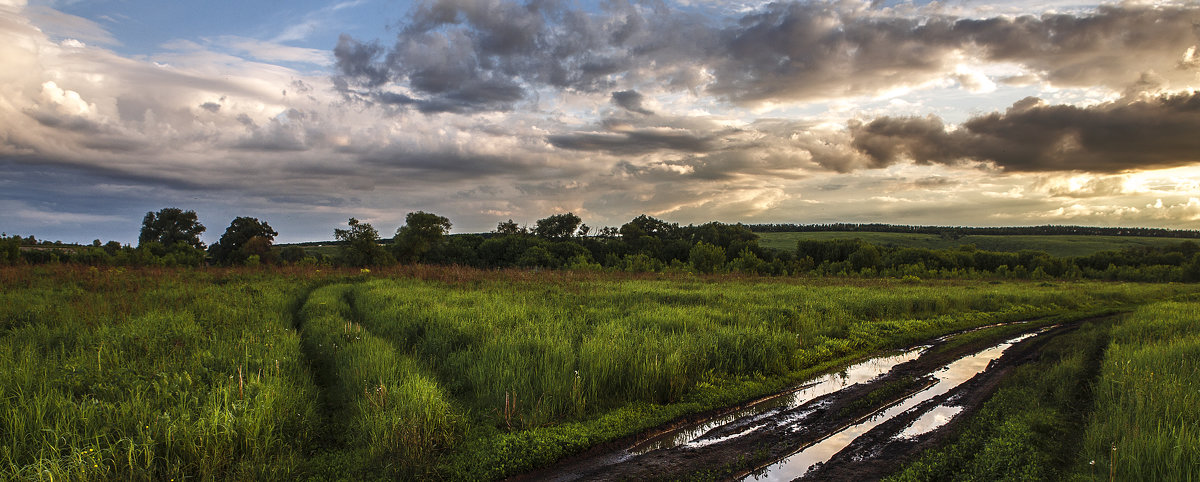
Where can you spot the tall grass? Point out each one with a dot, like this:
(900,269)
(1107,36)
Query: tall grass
(120,375)
(1146,425)
(530,353)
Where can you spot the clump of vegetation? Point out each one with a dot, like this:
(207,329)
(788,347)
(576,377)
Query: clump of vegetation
(1146,425)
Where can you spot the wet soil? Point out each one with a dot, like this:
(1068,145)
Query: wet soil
(859,424)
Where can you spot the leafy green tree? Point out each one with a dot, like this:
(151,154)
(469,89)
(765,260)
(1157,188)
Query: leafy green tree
(509,227)
(707,258)
(360,245)
(866,257)
(558,227)
(259,248)
(10,250)
(1191,270)
(421,233)
(292,254)
(112,247)
(646,226)
(537,257)
(732,237)
(172,225)
(505,251)
(748,262)
(244,237)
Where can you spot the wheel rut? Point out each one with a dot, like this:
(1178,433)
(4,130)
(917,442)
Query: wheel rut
(859,423)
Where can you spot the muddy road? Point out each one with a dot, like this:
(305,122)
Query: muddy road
(861,423)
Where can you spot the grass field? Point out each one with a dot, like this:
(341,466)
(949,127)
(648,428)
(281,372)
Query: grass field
(1061,246)
(440,373)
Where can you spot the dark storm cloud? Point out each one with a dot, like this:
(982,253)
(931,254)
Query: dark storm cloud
(360,61)
(1113,46)
(807,50)
(631,101)
(463,56)
(1155,132)
(802,50)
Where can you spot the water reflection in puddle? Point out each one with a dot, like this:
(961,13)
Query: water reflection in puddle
(948,377)
(756,416)
(930,421)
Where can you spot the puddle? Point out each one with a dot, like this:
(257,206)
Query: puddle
(930,421)
(948,377)
(978,328)
(756,416)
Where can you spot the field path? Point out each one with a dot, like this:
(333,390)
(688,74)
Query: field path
(858,424)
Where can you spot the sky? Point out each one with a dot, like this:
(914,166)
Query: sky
(305,113)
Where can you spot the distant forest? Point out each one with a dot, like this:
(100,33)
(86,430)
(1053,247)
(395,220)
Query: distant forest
(958,231)
(171,237)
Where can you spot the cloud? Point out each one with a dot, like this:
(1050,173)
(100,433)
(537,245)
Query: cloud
(631,101)
(467,56)
(271,51)
(633,141)
(1085,186)
(454,52)
(23,211)
(480,108)
(67,26)
(1188,210)
(1142,133)
(806,50)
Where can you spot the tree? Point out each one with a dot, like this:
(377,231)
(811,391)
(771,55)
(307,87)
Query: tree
(10,250)
(170,226)
(360,245)
(244,237)
(747,262)
(643,226)
(1191,270)
(866,257)
(292,254)
(258,248)
(558,227)
(421,232)
(707,258)
(508,227)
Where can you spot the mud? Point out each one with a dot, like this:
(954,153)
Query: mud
(823,429)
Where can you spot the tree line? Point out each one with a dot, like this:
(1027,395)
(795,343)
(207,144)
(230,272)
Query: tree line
(171,237)
(959,231)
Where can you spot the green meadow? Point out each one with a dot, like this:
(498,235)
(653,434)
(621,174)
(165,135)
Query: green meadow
(454,373)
